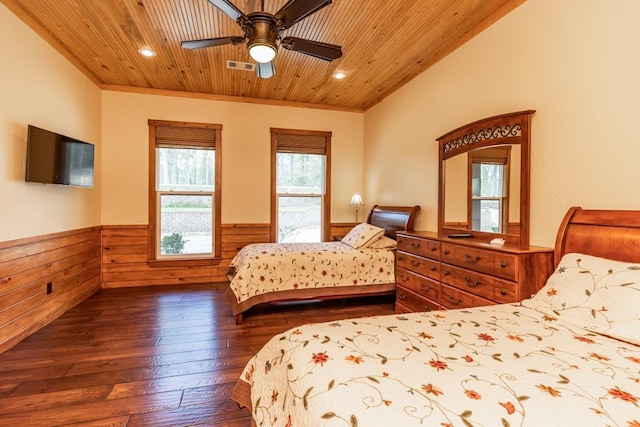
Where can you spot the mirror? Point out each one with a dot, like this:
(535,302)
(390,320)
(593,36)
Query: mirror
(482,190)
(484,179)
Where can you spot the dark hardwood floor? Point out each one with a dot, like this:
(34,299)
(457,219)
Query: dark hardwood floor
(155,356)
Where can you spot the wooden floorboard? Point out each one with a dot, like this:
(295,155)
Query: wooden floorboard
(148,356)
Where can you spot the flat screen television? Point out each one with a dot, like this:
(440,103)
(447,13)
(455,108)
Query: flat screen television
(57,159)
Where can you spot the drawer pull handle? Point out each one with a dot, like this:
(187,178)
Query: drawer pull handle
(454,301)
(503,264)
(405,278)
(433,268)
(415,263)
(503,292)
(402,296)
(433,249)
(427,308)
(470,259)
(472,284)
(426,288)
(415,245)
(445,273)
(446,252)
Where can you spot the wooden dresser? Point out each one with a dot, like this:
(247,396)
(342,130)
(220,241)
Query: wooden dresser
(436,272)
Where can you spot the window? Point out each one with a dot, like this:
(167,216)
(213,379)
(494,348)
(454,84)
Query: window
(184,190)
(300,185)
(489,185)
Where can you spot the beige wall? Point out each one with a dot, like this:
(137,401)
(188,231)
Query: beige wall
(39,87)
(574,61)
(246,149)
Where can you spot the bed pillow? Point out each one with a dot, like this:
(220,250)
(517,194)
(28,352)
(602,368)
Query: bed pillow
(383,242)
(597,294)
(362,235)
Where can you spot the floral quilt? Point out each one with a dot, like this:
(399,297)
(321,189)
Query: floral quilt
(503,365)
(269,267)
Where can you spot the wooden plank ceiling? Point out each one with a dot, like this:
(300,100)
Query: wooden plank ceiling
(385,44)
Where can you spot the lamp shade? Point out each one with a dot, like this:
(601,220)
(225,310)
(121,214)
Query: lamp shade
(262,52)
(356,200)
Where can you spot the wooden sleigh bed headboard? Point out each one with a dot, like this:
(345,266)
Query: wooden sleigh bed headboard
(613,234)
(393,218)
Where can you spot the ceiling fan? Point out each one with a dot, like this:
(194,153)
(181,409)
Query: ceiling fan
(263,33)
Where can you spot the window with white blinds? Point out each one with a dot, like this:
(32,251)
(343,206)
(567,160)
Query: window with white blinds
(300,189)
(184,201)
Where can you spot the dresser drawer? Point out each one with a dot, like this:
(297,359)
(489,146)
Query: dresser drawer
(505,292)
(424,247)
(419,284)
(451,297)
(485,261)
(413,301)
(499,290)
(469,281)
(401,308)
(400,259)
(425,266)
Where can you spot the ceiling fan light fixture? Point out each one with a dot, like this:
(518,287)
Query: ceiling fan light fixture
(262,52)
(261,37)
(263,33)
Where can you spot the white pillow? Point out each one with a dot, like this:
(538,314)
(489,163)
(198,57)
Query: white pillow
(597,294)
(362,235)
(383,242)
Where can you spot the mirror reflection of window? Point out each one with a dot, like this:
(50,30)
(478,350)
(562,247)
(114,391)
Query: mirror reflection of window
(489,189)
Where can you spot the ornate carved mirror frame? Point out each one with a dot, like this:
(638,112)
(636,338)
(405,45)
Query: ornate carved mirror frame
(502,130)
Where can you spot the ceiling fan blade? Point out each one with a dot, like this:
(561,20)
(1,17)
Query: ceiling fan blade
(229,8)
(296,10)
(325,51)
(219,41)
(264,70)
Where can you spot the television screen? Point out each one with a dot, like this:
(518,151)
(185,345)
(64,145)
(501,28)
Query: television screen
(57,159)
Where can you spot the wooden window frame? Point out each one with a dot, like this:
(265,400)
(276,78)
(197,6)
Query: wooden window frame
(326,211)
(153,194)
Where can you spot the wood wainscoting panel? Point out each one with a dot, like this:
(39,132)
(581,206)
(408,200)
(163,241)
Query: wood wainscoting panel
(340,229)
(125,256)
(237,236)
(66,263)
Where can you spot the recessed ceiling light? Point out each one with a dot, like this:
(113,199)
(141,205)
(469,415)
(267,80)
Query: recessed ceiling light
(339,75)
(145,51)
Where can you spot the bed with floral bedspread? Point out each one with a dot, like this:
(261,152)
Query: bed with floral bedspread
(265,268)
(568,356)
(362,263)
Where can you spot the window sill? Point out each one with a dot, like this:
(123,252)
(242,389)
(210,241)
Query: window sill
(199,262)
